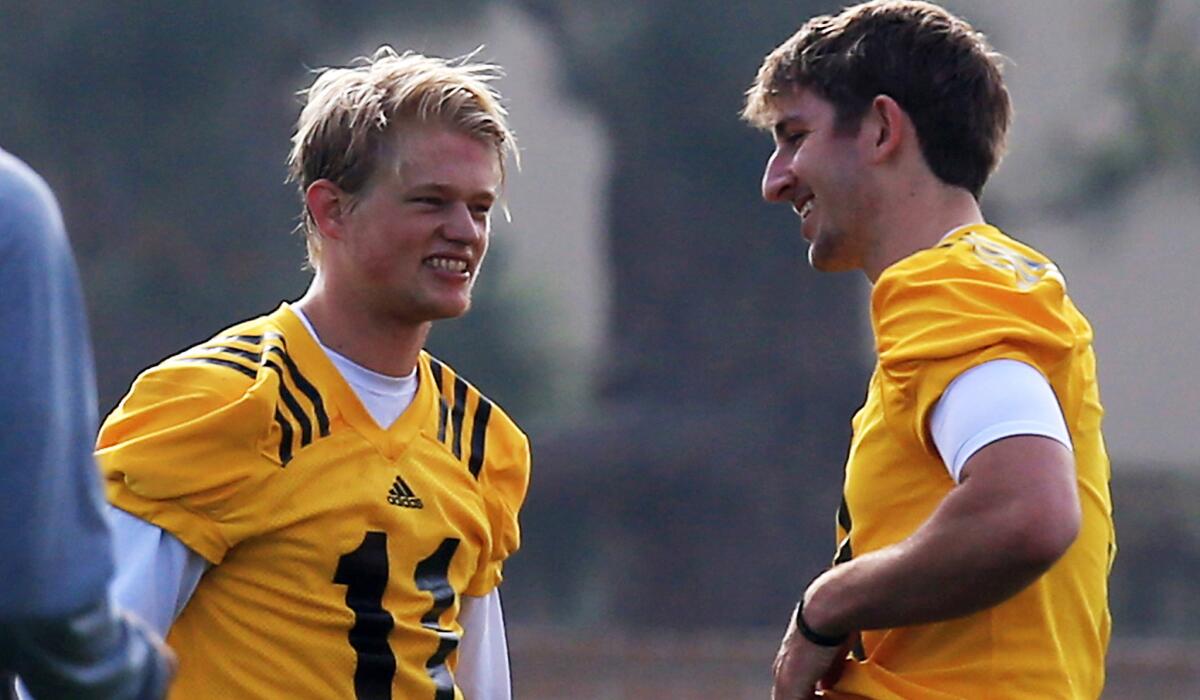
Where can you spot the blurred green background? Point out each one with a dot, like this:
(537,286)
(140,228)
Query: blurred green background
(686,380)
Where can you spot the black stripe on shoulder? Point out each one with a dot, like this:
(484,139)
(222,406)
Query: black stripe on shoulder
(252,339)
(262,354)
(287,432)
(306,387)
(436,369)
(293,405)
(248,371)
(286,437)
(254,357)
(458,413)
(479,424)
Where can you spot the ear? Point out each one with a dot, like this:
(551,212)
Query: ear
(329,205)
(889,127)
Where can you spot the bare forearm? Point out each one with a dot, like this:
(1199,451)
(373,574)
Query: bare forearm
(989,539)
(948,569)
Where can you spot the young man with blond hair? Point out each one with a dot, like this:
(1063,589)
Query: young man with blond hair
(313,505)
(975,533)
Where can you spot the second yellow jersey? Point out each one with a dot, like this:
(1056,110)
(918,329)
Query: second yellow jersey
(340,549)
(978,296)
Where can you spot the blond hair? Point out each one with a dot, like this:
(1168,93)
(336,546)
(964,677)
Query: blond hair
(344,129)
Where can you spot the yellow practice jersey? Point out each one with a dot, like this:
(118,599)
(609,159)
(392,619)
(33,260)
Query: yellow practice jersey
(340,549)
(977,296)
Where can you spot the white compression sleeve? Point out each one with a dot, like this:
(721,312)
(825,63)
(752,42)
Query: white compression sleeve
(156,573)
(483,655)
(991,401)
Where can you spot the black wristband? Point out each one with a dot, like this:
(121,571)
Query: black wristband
(821,640)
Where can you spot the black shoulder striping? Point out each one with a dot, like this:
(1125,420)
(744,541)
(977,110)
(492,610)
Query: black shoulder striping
(306,434)
(436,369)
(248,371)
(458,413)
(254,357)
(306,387)
(253,339)
(286,437)
(272,346)
(479,435)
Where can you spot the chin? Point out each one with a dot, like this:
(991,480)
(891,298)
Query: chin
(430,310)
(827,258)
(819,262)
(831,266)
(451,310)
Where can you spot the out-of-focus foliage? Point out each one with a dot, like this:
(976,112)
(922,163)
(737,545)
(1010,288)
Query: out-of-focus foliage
(1161,80)
(1158,554)
(1159,87)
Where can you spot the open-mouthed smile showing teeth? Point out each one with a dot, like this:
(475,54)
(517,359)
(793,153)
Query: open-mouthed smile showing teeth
(806,208)
(447,264)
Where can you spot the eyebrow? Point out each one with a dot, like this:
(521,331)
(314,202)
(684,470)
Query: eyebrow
(781,126)
(443,188)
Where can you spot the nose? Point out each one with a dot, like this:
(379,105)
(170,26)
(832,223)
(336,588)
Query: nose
(462,226)
(777,179)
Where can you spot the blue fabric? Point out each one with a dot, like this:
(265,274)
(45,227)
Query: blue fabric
(57,627)
(55,551)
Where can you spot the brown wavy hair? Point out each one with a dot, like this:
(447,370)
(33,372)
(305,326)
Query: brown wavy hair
(939,69)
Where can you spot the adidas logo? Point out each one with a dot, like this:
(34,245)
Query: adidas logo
(401,495)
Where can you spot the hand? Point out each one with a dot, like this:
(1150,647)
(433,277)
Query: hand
(801,667)
(160,666)
(834,674)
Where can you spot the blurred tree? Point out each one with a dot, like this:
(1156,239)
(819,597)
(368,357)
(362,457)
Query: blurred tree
(1153,587)
(703,489)
(1158,84)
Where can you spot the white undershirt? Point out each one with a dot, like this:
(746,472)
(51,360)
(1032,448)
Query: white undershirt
(157,574)
(384,397)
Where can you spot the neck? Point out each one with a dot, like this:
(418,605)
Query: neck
(375,341)
(919,216)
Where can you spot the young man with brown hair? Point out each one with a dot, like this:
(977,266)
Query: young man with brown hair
(314,505)
(975,532)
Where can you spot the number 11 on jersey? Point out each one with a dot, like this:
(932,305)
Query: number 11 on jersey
(364,573)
